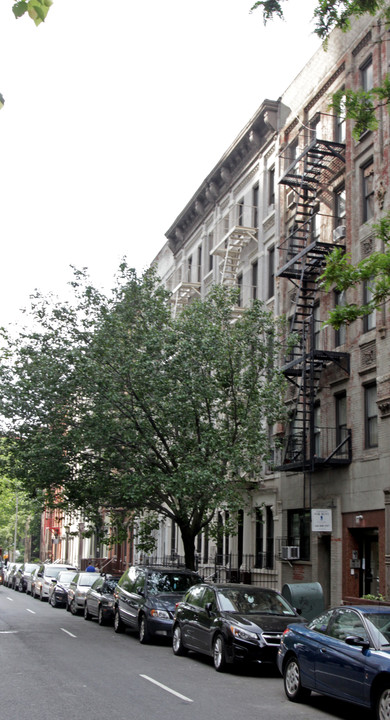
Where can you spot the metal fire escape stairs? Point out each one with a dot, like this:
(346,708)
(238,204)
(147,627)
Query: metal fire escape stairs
(229,250)
(303,260)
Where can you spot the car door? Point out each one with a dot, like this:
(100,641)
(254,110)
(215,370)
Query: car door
(204,625)
(94,596)
(340,668)
(188,614)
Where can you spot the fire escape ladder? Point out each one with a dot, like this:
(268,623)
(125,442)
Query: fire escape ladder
(303,256)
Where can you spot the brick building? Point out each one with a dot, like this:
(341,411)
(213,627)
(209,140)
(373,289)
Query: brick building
(291,186)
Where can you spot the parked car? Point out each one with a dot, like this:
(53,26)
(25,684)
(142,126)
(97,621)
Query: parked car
(1,572)
(146,599)
(343,653)
(44,577)
(11,577)
(100,599)
(58,590)
(232,622)
(31,581)
(22,575)
(78,587)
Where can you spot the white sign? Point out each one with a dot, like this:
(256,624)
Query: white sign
(321,520)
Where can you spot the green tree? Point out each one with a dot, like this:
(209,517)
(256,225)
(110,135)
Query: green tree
(36,9)
(113,403)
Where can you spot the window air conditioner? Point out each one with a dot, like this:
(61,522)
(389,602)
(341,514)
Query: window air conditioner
(339,233)
(290,199)
(290,552)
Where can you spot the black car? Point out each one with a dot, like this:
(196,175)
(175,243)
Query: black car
(232,622)
(58,591)
(146,598)
(100,599)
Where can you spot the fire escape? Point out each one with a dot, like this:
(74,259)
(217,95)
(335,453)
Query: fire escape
(307,446)
(234,232)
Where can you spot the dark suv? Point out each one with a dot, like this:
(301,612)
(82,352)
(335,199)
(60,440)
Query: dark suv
(146,598)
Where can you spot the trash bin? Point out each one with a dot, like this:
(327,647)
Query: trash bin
(306,597)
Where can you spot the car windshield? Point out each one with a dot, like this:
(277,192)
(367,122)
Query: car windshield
(160,582)
(379,625)
(87,580)
(66,576)
(29,567)
(255,600)
(51,572)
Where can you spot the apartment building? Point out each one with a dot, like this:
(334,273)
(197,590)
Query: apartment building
(293,185)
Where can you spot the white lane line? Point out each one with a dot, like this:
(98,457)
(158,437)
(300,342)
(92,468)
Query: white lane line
(10,599)
(31,611)
(164,687)
(8,632)
(68,633)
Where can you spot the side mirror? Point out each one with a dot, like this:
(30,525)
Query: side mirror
(356,640)
(99,590)
(140,591)
(209,608)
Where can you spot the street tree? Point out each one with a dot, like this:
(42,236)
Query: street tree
(114,403)
(36,9)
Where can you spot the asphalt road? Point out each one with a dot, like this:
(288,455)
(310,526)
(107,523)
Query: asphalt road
(56,665)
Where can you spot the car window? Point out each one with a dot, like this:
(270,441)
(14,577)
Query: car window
(127,581)
(346,622)
(254,601)
(110,585)
(87,579)
(160,582)
(320,623)
(209,597)
(194,597)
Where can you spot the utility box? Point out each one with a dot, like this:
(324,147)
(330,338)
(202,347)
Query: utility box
(306,597)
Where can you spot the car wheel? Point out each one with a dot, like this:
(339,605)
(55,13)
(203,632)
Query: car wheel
(53,601)
(73,607)
(101,618)
(177,641)
(118,624)
(41,596)
(87,614)
(219,654)
(292,681)
(67,607)
(144,634)
(383,704)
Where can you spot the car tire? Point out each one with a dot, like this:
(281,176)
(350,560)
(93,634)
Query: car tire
(101,618)
(41,596)
(73,607)
(177,641)
(292,681)
(144,633)
(118,624)
(67,607)
(383,703)
(219,654)
(87,614)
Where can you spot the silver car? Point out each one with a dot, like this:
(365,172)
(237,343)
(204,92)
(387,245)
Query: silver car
(44,577)
(77,590)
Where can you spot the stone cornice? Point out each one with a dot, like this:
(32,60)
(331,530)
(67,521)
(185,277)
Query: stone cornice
(255,135)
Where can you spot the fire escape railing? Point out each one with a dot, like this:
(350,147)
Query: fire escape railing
(303,257)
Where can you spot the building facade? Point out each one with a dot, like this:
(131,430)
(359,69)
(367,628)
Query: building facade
(291,187)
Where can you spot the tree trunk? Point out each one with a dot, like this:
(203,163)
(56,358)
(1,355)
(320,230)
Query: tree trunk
(188,538)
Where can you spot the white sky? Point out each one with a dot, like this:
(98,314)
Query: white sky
(115,112)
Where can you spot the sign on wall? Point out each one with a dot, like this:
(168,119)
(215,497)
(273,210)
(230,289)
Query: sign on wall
(321,520)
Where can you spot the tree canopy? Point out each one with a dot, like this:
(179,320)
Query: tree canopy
(36,9)
(113,403)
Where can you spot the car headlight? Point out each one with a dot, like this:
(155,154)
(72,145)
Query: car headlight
(159,614)
(241,634)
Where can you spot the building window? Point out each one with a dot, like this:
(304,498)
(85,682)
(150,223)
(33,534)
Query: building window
(368,191)
(370,416)
(210,243)
(173,537)
(239,285)
(199,263)
(271,272)
(259,560)
(340,334)
(255,205)
(339,206)
(367,76)
(255,267)
(340,132)
(317,430)
(240,215)
(269,549)
(315,225)
(369,321)
(271,186)
(316,327)
(341,417)
(314,126)
(299,531)
(189,269)
(292,153)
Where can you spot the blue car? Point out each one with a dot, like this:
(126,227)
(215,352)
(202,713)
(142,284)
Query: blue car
(343,653)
